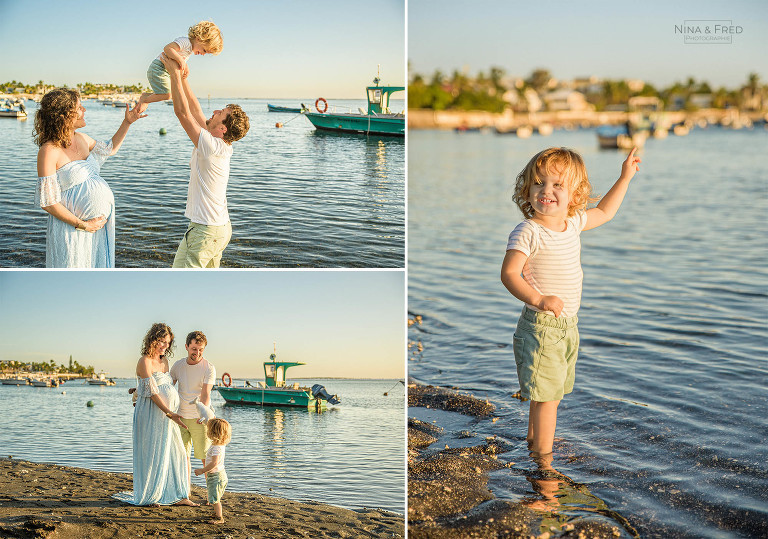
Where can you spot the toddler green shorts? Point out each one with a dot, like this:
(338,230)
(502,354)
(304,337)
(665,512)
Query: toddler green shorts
(159,78)
(216,483)
(546,349)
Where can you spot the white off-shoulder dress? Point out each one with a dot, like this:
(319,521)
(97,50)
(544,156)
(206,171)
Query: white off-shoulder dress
(80,188)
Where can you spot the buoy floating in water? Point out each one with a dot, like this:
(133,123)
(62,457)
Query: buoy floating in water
(278,124)
(89,404)
(163,131)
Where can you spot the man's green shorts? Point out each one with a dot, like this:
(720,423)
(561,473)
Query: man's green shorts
(216,482)
(195,437)
(546,349)
(202,246)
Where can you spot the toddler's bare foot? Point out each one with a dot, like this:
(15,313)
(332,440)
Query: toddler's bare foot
(187,501)
(216,521)
(142,105)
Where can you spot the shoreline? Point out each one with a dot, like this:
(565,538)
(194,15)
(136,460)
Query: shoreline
(39,500)
(449,478)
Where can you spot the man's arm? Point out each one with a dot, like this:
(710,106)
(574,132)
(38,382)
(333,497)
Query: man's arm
(194,105)
(180,104)
(205,394)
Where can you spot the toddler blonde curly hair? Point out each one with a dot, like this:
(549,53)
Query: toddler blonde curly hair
(561,161)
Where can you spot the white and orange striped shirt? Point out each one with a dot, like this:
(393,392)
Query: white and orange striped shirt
(553,267)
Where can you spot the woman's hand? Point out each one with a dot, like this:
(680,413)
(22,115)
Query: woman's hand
(92,225)
(133,114)
(176,418)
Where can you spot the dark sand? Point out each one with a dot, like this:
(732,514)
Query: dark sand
(448,495)
(50,501)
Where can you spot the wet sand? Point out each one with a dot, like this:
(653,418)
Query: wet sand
(448,494)
(50,501)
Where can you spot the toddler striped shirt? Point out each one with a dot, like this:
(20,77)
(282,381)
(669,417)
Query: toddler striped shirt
(553,267)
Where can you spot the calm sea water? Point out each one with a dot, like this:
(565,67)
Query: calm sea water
(667,424)
(297,197)
(350,455)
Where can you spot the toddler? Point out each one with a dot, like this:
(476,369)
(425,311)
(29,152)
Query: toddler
(219,432)
(542,268)
(204,38)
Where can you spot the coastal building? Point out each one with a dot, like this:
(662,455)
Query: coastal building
(565,99)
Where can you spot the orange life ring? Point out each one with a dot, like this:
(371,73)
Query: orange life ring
(226,379)
(324,102)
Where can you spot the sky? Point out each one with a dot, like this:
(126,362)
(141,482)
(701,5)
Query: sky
(609,39)
(272,48)
(348,324)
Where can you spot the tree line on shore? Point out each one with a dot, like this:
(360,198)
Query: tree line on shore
(51,368)
(495,92)
(86,88)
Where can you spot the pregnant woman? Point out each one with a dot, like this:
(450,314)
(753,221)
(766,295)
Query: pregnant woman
(160,475)
(80,204)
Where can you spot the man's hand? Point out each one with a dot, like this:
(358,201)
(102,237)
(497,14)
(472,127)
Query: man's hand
(170,65)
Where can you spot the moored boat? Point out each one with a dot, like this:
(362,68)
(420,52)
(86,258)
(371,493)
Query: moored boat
(619,137)
(274,391)
(379,120)
(278,108)
(100,380)
(15,381)
(12,109)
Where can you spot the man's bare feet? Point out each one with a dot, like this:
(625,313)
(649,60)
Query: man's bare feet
(187,501)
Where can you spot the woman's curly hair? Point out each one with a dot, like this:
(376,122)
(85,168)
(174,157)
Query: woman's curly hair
(155,334)
(55,117)
(563,161)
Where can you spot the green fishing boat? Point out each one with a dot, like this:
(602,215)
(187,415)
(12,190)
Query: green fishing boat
(379,120)
(273,391)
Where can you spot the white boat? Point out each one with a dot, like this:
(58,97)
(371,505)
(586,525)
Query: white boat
(12,109)
(100,380)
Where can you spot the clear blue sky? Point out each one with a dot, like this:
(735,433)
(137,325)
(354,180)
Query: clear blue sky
(272,48)
(609,39)
(341,323)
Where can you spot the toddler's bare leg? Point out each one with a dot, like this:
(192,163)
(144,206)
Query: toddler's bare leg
(542,421)
(217,514)
(148,97)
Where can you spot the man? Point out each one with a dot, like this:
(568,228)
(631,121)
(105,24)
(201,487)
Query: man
(195,377)
(209,228)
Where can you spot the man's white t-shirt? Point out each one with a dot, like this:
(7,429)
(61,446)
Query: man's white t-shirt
(191,379)
(208,177)
(185,48)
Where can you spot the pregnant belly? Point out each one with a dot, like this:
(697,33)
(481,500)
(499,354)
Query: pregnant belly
(89,199)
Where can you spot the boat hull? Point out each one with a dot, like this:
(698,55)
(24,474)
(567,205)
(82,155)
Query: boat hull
(360,124)
(269,396)
(277,108)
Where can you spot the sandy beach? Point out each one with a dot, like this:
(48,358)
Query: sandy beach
(50,501)
(448,493)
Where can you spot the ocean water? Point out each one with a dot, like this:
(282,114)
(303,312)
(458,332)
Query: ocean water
(666,430)
(297,197)
(350,455)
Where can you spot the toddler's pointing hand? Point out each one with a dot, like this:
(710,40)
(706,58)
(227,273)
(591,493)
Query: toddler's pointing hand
(630,165)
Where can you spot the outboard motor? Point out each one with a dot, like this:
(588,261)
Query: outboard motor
(319,392)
